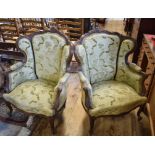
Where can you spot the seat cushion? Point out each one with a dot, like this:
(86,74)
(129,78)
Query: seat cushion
(34,96)
(114,98)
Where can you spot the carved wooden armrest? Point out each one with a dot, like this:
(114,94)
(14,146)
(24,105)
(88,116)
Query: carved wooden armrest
(87,89)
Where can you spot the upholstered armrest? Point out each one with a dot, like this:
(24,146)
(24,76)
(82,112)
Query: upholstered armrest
(17,74)
(127,72)
(60,92)
(16,66)
(20,73)
(87,89)
(134,67)
(62,81)
(133,76)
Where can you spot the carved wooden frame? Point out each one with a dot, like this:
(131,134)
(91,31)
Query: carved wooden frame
(13,55)
(87,104)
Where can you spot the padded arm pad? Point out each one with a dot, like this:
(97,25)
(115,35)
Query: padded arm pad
(84,81)
(60,92)
(129,73)
(133,76)
(87,96)
(16,66)
(18,75)
(62,82)
(134,67)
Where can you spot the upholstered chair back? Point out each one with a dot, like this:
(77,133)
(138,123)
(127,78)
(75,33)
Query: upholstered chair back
(48,51)
(46,56)
(102,55)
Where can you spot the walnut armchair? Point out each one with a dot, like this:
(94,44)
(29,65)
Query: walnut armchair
(37,86)
(111,85)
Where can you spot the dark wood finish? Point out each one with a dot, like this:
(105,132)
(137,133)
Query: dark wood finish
(128,25)
(141,26)
(7,58)
(7,46)
(11,55)
(146,60)
(9,29)
(88,105)
(1,78)
(87,25)
(30,25)
(74,27)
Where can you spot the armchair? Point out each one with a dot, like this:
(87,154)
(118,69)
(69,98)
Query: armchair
(37,85)
(111,85)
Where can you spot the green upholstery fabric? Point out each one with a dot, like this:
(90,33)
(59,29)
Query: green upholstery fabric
(129,74)
(62,85)
(16,66)
(113,98)
(116,86)
(134,67)
(85,85)
(101,51)
(81,54)
(25,72)
(65,55)
(48,49)
(47,55)
(33,96)
(38,96)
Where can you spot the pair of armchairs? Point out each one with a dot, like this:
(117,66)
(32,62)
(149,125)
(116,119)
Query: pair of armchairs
(110,85)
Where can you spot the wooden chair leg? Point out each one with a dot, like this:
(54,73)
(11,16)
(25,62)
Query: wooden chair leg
(141,109)
(51,121)
(91,121)
(10,108)
(59,118)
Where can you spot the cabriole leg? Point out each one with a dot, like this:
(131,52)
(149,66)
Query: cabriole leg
(141,109)
(51,121)
(10,108)
(91,120)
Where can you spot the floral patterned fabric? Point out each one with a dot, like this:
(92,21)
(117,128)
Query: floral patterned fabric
(113,98)
(23,72)
(48,49)
(33,96)
(116,86)
(47,57)
(81,54)
(101,51)
(129,74)
(65,55)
